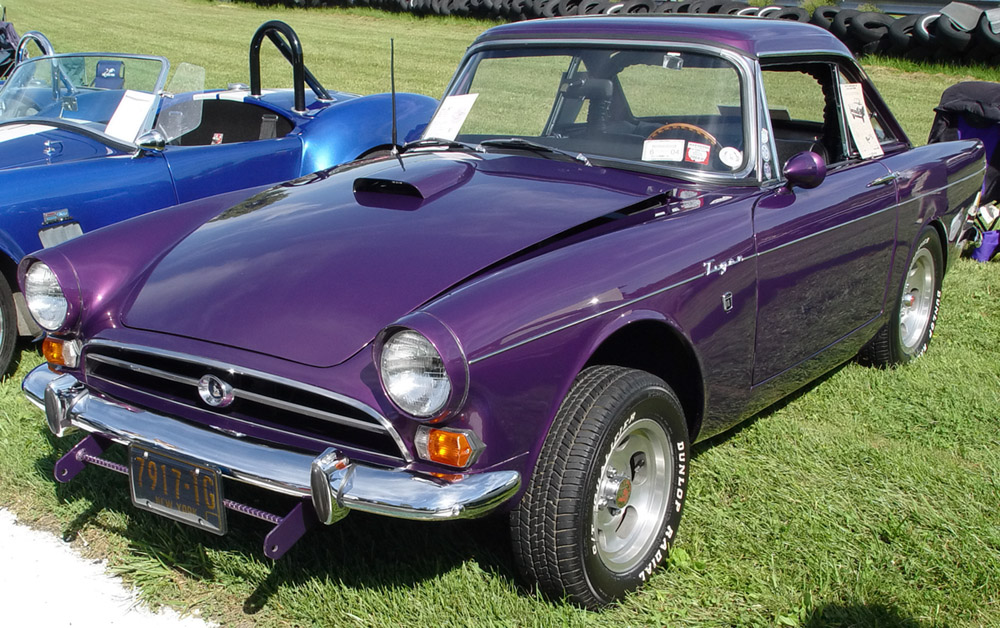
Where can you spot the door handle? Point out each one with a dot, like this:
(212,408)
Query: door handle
(889,178)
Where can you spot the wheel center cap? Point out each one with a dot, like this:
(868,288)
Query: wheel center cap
(617,492)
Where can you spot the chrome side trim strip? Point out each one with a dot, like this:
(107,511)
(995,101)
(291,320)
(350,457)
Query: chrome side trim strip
(592,316)
(254,373)
(859,218)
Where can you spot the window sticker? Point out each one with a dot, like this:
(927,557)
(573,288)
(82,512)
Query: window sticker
(129,116)
(663,150)
(697,153)
(731,156)
(451,116)
(858,122)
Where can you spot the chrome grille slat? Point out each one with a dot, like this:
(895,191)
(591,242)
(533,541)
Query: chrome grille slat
(284,407)
(318,414)
(144,369)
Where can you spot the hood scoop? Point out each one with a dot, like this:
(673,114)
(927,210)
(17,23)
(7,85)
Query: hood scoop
(399,187)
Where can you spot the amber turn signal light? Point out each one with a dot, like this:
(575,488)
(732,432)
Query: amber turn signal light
(61,352)
(455,448)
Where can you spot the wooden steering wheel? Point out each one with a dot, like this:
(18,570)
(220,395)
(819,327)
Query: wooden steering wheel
(684,126)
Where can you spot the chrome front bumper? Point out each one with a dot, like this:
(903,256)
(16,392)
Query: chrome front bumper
(335,484)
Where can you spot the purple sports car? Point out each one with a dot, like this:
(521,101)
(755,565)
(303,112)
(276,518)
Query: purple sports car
(617,236)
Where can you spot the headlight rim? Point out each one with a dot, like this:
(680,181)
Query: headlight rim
(450,350)
(69,290)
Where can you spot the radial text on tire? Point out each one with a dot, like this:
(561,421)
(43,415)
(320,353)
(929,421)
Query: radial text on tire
(603,504)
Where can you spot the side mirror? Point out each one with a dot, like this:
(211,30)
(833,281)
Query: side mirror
(805,170)
(151,141)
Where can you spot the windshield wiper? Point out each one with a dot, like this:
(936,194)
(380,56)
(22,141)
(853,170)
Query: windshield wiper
(437,142)
(523,144)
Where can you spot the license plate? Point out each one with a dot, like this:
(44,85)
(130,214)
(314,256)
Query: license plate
(177,488)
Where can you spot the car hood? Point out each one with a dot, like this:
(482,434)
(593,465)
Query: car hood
(311,270)
(32,144)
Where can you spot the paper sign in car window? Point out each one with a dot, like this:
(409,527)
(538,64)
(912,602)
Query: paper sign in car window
(858,121)
(451,116)
(129,116)
(663,150)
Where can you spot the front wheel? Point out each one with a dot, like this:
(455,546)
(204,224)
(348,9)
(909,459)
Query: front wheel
(8,327)
(603,504)
(915,312)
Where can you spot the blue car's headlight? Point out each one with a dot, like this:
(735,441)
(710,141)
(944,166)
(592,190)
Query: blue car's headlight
(413,374)
(44,297)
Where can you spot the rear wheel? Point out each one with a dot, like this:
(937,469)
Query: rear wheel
(911,326)
(605,500)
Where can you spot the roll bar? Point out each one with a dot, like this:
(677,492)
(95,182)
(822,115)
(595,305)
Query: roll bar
(291,49)
(33,36)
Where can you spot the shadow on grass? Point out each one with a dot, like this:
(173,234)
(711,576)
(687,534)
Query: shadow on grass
(25,349)
(362,552)
(851,615)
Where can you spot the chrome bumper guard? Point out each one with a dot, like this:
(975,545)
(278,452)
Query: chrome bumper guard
(335,484)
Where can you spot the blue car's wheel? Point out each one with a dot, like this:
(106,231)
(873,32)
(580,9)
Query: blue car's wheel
(603,504)
(8,326)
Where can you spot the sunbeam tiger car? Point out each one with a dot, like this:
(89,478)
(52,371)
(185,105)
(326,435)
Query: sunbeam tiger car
(89,139)
(617,236)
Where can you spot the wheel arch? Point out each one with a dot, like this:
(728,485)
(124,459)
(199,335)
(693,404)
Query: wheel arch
(942,234)
(649,342)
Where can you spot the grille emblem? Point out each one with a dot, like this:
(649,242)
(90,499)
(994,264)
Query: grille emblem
(215,392)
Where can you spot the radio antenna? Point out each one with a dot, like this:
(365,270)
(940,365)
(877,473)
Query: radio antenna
(392,87)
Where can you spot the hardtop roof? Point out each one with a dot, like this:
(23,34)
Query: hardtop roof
(752,36)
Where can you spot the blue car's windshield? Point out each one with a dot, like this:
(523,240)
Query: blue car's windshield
(111,94)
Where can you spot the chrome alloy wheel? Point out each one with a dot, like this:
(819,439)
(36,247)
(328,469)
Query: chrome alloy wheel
(917,303)
(632,495)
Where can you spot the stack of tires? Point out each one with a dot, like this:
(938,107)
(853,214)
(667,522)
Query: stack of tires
(957,32)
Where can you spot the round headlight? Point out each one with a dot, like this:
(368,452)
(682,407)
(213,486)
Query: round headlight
(44,296)
(413,374)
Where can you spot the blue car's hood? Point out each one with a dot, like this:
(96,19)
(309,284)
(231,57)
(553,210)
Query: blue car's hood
(32,144)
(310,271)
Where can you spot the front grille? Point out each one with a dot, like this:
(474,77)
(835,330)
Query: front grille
(269,403)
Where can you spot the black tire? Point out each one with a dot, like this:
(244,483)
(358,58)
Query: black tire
(985,37)
(639,6)
(612,416)
(870,27)
(951,36)
(901,33)
(823,16)
(568,7)
(8,327)
(924,31)
(842,21)
(731,8)
(793,14)
(911,324)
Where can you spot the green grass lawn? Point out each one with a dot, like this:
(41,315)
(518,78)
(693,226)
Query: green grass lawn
(870,499)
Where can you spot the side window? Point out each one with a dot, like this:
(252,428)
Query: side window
(805,115)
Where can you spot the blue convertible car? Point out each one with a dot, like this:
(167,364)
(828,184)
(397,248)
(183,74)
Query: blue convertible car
(90,139)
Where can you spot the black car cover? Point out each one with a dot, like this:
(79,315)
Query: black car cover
(967,110)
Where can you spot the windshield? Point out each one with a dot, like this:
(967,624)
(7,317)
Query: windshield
(112,94)
(666,107)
